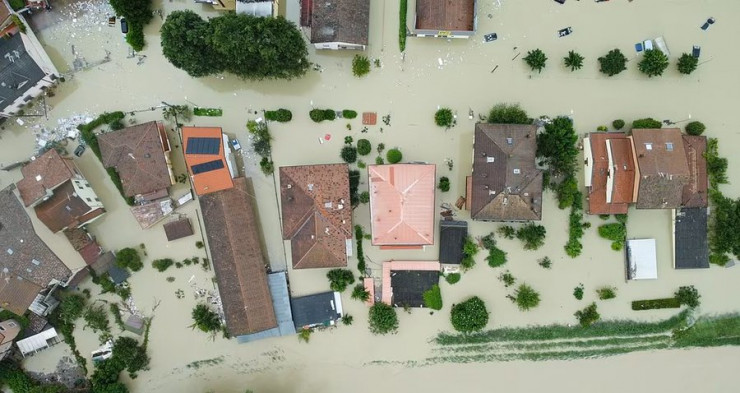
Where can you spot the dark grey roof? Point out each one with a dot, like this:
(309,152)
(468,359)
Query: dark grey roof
(692,248)
(18,71)
(409,286)
(118,275)
(452,235)
(314,309)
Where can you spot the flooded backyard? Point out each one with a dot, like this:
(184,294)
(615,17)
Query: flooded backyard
(102,75)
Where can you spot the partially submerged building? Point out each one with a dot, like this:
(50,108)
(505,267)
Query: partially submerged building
(84,244)
(337,24)
(205,156)
(506,184)
(404,282)
(38,342)
(316,214)
(9,330)
(690,242)
(178,229)
(321,309)
(446,18)
(452,236)
(642,260)
(663,170)
(610,172)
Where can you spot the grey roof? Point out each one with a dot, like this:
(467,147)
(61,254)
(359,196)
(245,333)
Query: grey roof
(314,309)
(692,247)
(278,283)
(346,21)
(409,286)
(118,275)
(18,71)
(452,235)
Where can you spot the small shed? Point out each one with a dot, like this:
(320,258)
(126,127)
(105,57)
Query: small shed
(321,309)
(135,324)
(642,261)
(104,262)
(452,236)
(178,229)
(38,342)
(118,275)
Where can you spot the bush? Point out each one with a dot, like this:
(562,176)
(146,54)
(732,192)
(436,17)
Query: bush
(349,114)
(162,264)
(507,278)
(508,114)
(97,318)
(267,166)
(526,297)
(360,66)
(469,316)
(382,319)
(616,232)
(205,319)
(489,241)
(606,293)
(646,123)
(444,118)
(347,319)
(536,60)
(613,62)
(618,124)
(687,64)
(532,235)
(653,304)
(688,295)
(574,61)
(339,279)
(364,197)
(349,154)
(354,183)
(360,252)
(695,128)
(394,156)
(360,293)
(364,147)
(653,62)
(17,4)
(545,262)
(433,298)
(403,10)
(319,115)
(578,292)
(444,184)
(128,258)
(379,160)
(507,232)
(717,172)
(135,36)
(281,115)
(588,315)
(452,278)
(496,257)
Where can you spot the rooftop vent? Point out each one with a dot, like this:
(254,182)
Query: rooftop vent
(489,159)
(491,192)
(310,187)
(509,141)
(649,146)
(290,186)
(10,251)
(669,146)
(328,205)
(517,171)
(38,178)
(35,262)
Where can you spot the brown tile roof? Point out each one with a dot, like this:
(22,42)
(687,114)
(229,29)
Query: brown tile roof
(236,250)
(316,214)
(78,238)
(346,21)
(103,263)
(138,154)
(27,265)
(506,184)
(402,204)
(445,15)
(43,175)
(612,173)
(90,252)
(209,180)
(65,209)
(178,229)
(661,160)
(695,192)
(4,12)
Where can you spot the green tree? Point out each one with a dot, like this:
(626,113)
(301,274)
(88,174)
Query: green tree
(452,278)
(382,319)
(688,295)
(135,11)
(646,123)
(526,297)
(360,66)
(360,293)
(496,257)
(613,62)
(588,315)
(616,232)
(606,293)
(716,165)
(508,114)
(364,197)
(444,117)
(135,37)
(532,235)
(618,124)
(574,61)
(578,292)
(653,63)
(687,64)
(507,232)
(97,318)
(364,147)
(536,60)
(205,319)
(128,258)
(72,307)
(469,316)
(132,354)
(339,279)
(394,156)
(444,184)
(557,145)
(433,298)
(162,264)
(695,128)
(349,154)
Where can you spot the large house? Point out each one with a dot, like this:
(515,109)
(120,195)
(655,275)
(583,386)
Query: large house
(337,24)
(506,184)
(140,155)
(60,195)
(316,214)
(402,205)
(205,156)
(446,18)
(663,170)
(27,265)
(610,172)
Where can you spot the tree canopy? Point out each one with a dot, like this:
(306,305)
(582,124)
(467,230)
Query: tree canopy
(205,319)
(470,315)
(444,117)
(613,62)
(687,64)
(339,279)
(508,114)
(526,297)
(532,235)
(653,63)
(129,258)
(383,319)
(557,145)
(536,60)
(574,61)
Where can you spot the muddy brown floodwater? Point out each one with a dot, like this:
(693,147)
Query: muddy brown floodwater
(410,88)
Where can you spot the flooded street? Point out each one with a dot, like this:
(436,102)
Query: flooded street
(433,73)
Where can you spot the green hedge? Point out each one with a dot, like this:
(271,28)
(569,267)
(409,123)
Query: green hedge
(349,114)
(319,115)
(213,112)
(281,115)
(403,10)
(653,304)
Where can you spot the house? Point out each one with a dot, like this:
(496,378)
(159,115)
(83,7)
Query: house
(690,242)
(446,18)
(205,157)
(316,214)
(238,260)
(178,229)
(261,8)
(337,24)
(663,170)
(43,174)
(321,309)
(610,171)
(404,282)
(9,330)
(141,156)
(38,342)
(506,184)
(84,244)
(642,261)
(28,265)
(452,236)
(402,205)
(278,283)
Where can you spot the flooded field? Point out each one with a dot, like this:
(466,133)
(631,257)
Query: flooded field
(432,73)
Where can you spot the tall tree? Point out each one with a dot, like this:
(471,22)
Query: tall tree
(687,63)
(558,146)
(536,60)
(613,62)
(135,11)
(653,63)
(574,61)
(186,43)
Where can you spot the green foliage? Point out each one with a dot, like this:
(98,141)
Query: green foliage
(354,183)
(173,111)
(162,264)
(319,115)
(606,293)
(710,332)
(402,11)
(349,114)
(616,232)
(382,319)
(205,319)
(507,278)
(128,258)
(532,235)
(489,241)
(247,46)
(687,64)
(618,124)
(137,13)
(574,61)
(360,293)
(135,36)
(133,355)
(281,115)
(575,227)
(695,128)
(360,66)
(526,298)
(261,145)
(613,62)
(578,292)
(716,165)
(507,232)
(452,278)
(360,252)
(116,311)
(621,218)
(545,262)
(444,184)
(653,304)
(304,335)
(364,197)
(653,63)
(339,279)
(267,166)
(469,316)
(22,319)
(536,60)
(588,316)
(496,257)
(646,123)
(349,154)
(17,4)
(394,156)
(469,250)
(347,319)
(508,114)
(211,112)
(444,118)
(433,298)
(557,146)
(199,244)
(688,295)
(96,318)
(18,23)
(364,147)
(567,192)
(379,160)
(380,148)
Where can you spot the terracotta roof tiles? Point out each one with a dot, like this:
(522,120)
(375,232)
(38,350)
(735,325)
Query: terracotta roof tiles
(212,177)
(44,174)
(661,159)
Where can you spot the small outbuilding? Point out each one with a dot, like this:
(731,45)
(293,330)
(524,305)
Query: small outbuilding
(642,261)
(452,236)
(178,229)
(404,282)
(38,342)
(135,324)
(320,309)
(691,245)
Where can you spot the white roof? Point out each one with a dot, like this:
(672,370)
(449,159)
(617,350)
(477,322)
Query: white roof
(36,342)
(259,8)
(642,261)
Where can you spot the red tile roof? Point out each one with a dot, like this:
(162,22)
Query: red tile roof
(44,174)
(445,15)
(66,209)
(210,181)
(695,192)
(178,229)
(661,160)
(612,173)
(402,204)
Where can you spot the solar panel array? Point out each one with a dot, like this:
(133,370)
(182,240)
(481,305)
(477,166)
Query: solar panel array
(207,166)
(198,145)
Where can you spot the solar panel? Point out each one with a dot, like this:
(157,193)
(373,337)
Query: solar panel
(203,145)
(207,166)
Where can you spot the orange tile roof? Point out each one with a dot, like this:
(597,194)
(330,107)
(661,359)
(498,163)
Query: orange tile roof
(402,204)
(211,181)
(369,285)
(389,266)
(616,147)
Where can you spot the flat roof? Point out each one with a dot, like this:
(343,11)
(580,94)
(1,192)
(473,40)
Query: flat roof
(691,246)
(409,286)
(445,15)
(316,309)
(18,70)
(206,159)
(452,235)
(390,266)
(642,261)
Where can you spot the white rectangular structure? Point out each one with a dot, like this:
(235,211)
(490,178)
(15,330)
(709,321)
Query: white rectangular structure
(38,342)
(642,261)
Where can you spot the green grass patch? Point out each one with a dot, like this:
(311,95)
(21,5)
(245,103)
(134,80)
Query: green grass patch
(711,332)
(452,278)
(559,345)
(213,112)
(403,10)
(653,304)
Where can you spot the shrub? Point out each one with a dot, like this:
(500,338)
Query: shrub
(347,319)
(526,297)
(507,278)
(604,216)
(574,61)
(588,315)
(688,295)
(128,258)
(545,262)
(532,235)
(536,60)
(613,62)
(687,63)
(616,232)
(578,292)
(618,124)
(317,115)
(349,154)
(305,335)
(508,114)
(433,298)
(17,4)
(507,232)
(364,147)
(354,183)
(360,293)
(653,62)
(444,184)
(96,318)
(444,118)
(281,115)
(329,114)
(452,278)
(162,264)
(606,293)
(199,244)
(621,218)
(135,36)
(646,123)
(653,304)
(339,279)
(379,160)
(488,242)
(360,252)
(349,114)
(71,308)
(695,128)
(364,197)
(403,10)
(267,166)
(380,148)
(382,319)
(717,171)
(205,319)
(469,316)
(360,66)
(394,156)
(496,257)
